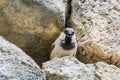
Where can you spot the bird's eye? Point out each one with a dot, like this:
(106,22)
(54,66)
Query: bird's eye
(72,32)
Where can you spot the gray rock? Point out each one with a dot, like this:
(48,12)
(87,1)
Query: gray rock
(16,65)
(31,23)
(98,25)
(69,68)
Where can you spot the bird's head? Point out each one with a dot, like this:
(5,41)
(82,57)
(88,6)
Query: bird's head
(68,39)
(69,32)
(67,35)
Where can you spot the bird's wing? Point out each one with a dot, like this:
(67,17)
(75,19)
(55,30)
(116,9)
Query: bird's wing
(52,46)
(54,43)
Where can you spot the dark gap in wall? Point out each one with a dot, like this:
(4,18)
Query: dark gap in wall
(68,13)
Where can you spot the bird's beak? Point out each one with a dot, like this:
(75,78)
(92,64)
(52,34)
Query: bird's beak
(69,34)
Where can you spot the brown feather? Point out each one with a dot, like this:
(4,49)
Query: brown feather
(52,46)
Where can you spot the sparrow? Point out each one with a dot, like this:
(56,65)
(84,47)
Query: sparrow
(65,44)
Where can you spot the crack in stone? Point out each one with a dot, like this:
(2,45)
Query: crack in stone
(68,13)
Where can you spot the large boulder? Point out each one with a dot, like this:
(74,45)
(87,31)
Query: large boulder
(16,65)
(98,25)
(32,24)
(69,68)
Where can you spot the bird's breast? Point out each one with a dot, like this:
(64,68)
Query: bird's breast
(66,46)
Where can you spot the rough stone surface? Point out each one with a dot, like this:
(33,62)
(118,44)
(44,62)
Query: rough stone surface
(98,25)
(32,24)
(69,68)
(16,65)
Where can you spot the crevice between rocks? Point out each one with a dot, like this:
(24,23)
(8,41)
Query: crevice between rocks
(68,13)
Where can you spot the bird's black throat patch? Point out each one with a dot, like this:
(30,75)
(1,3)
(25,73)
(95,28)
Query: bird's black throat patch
(67,44)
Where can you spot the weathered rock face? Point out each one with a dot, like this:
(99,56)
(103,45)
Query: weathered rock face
(16,65)
(32,24)
(67,68)
(98,22)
